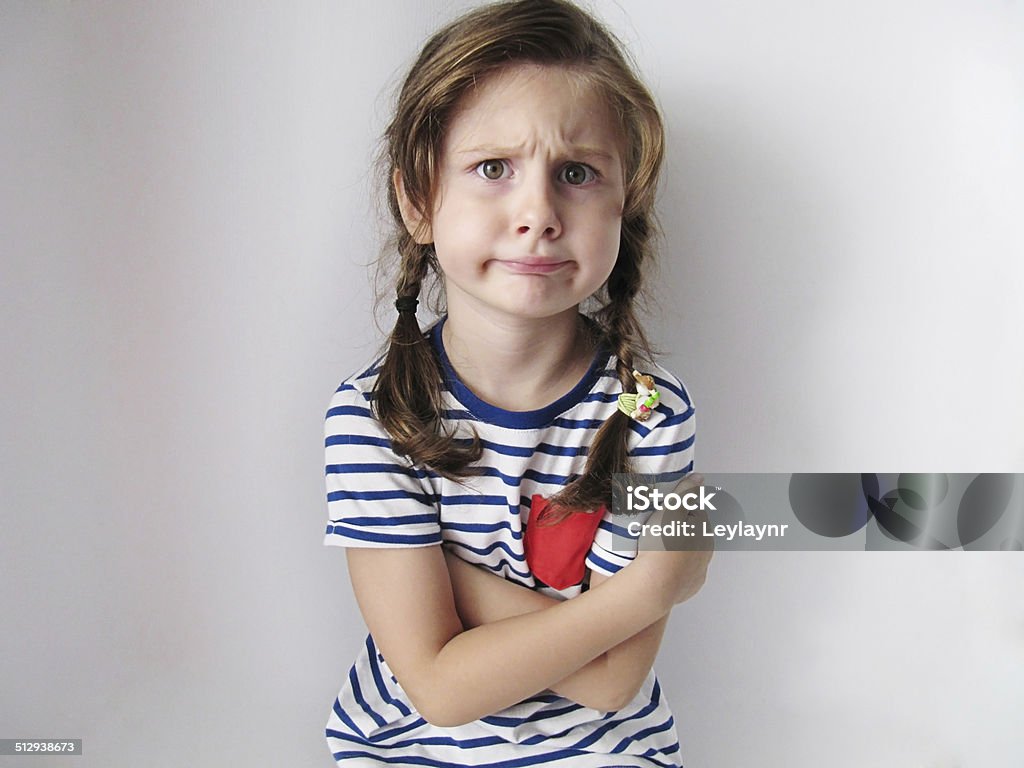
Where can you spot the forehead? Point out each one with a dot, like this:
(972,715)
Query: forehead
(528,103)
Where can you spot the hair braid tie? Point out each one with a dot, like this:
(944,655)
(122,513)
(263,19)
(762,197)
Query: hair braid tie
(406,305)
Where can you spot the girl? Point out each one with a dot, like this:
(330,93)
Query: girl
(523,158)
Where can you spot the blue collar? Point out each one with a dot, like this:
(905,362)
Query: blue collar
(491,414)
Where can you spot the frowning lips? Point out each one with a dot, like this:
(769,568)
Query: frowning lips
(534,265)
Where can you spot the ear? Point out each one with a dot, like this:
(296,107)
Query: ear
(414,221)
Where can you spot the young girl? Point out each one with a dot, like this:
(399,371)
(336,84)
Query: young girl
(469,469)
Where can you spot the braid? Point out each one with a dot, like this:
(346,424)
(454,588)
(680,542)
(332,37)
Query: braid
(408,391)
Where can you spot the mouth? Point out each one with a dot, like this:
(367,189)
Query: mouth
(533,266)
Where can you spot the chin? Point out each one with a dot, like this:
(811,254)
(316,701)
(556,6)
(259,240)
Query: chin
(537,312)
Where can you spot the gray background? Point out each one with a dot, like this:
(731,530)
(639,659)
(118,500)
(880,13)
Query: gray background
(185,224)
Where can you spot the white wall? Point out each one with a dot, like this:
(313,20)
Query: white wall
(185,220)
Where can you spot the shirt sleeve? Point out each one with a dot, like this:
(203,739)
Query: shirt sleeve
(665,449)
(375,498)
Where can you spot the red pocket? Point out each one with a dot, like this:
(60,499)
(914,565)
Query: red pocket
(557,553)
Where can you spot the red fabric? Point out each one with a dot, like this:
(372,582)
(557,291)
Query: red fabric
(556,554)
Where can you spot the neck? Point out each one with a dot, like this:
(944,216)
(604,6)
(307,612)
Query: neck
(517,364)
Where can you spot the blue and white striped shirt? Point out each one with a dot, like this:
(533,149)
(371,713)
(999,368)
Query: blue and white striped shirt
(376,498)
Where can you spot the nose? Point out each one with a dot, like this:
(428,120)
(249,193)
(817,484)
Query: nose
(537,209)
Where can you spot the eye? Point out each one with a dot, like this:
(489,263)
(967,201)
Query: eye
(492,169)
(577,173)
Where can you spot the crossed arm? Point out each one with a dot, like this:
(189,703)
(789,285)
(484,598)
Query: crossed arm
(462,661)
(454,675)
(611,679)
(606,683)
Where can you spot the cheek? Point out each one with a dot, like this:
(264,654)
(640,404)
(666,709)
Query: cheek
(461,221)
(613,237)
(613,254)
(607,231)
(448,234)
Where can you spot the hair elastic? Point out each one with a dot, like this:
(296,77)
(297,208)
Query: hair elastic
(406,304)
(640,405)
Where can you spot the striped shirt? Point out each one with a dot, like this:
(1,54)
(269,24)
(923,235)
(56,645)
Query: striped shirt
(376,498)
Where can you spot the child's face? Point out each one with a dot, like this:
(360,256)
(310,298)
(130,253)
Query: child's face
(529,206)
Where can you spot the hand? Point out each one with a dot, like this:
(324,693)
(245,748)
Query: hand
(675,565)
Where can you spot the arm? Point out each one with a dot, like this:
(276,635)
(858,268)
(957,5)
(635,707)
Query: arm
(630,662)
(607,683)
(454,676)
(612,679)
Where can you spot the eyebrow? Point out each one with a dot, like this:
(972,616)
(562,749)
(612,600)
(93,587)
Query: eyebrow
(498,152)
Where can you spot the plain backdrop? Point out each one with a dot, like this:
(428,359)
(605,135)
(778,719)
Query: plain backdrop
(186,220)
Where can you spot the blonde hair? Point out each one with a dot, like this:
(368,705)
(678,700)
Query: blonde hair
(408,391)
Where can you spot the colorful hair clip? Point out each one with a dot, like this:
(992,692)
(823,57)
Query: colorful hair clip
(641,404)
